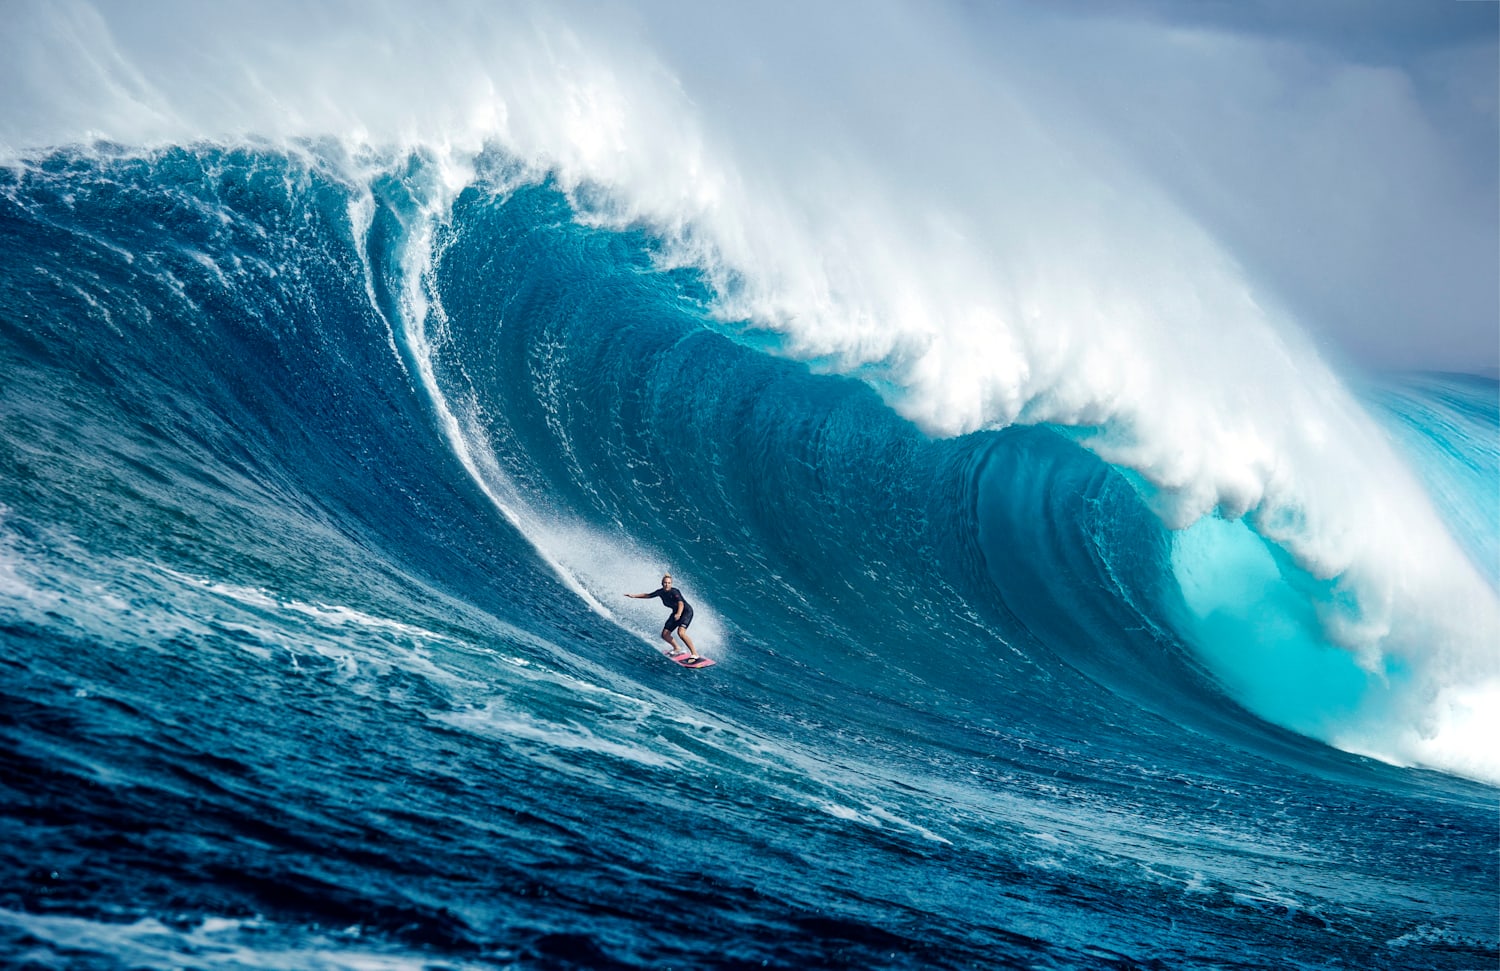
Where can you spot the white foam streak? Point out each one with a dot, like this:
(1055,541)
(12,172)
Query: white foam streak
(213,942)
(589,563)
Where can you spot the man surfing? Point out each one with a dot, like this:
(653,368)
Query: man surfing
(682,615)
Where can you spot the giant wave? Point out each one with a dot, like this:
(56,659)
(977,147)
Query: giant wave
(1012,283)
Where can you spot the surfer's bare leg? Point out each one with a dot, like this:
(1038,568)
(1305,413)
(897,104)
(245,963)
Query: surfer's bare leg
(666,635)
(688,641)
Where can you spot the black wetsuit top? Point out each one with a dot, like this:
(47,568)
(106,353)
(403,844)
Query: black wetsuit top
(672,598)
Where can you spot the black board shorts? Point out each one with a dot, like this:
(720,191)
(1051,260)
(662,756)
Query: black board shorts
(675,622)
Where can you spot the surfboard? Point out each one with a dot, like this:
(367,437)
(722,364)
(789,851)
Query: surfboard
(684,658)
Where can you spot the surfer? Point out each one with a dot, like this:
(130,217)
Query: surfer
(682,615)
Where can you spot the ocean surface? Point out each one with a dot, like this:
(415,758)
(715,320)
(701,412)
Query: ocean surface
(316,513)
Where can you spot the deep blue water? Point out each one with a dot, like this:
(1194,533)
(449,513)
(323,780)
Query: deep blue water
(315,516)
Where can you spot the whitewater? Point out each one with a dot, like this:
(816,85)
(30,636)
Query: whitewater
(1075,604)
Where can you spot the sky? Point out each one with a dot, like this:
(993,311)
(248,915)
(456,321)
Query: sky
(1348,151)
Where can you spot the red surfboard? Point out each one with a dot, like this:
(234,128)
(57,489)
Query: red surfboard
(688,661)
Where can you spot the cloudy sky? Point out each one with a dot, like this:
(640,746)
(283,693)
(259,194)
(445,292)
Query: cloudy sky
(1347,151)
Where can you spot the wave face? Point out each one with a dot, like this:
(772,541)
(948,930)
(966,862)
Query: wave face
(321,490)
